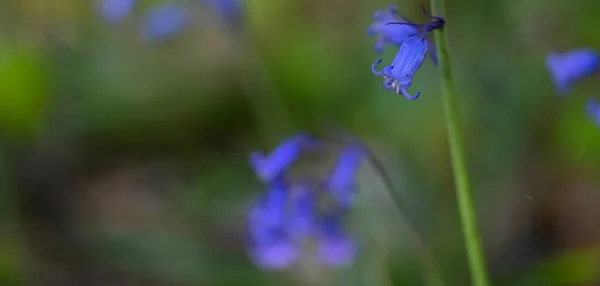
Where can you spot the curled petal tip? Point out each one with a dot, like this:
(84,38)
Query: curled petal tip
(374,68)
(408,95)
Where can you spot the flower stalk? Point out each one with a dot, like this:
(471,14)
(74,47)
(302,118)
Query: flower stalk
(475,252)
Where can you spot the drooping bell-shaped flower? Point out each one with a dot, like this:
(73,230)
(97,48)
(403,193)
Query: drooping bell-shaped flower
(335,247)
(389,28)
(282,158)
(165,20)
(342,183)
(297,207)
(566,68)
(271,246)
(399,75)
(390,34)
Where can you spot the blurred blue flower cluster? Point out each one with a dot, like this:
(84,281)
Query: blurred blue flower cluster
(292,210)
(391,29)
(572,66)
(164,20)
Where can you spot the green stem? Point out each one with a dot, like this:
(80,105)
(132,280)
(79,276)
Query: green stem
(468,217)
(430,271)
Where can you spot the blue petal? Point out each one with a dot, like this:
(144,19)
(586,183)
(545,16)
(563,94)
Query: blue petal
(571,66)
(336,248)
(408,95)
(165,20)
(390,34)
(282,158)
(342,180)
(276,256)
(409,59)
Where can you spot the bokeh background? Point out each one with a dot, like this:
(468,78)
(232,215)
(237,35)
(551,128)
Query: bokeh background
(123,160)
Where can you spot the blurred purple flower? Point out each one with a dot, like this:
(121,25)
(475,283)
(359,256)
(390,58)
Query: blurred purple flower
(114,11)
(593,109)
(282,158)
(165,20)
(571,66)
(303,209)
(271,244)
(342,180)
(398,76)
(390,34)
(288,213)
(336,248)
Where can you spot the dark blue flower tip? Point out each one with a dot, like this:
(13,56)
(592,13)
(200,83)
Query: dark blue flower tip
(341,183)
(437,23)
(114,11)
(389,34)
(282,158)
(398,76)
(593,110)
(164,21)
(566,68)
(336,248)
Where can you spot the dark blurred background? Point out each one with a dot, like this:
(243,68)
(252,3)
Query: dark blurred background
(123,160)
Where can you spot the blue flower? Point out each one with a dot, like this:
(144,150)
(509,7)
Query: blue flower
(303,210)
(342,180)
(164,21)
(282,158)
(398,76)
(114,11)
(593,109)
(288,214)
(272,247)
(335,248)
(571,66)
(390,34)
(387,31)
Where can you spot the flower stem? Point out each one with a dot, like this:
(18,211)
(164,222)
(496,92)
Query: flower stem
(475,252)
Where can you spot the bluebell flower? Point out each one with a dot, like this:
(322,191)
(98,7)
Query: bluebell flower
(398,76)
(571,66)
(288,214)
(165,20)
(593,109)
(282,158)
(336,247)
(390,34)
(272,247)
(341,183)
(114,11)
(303,211)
